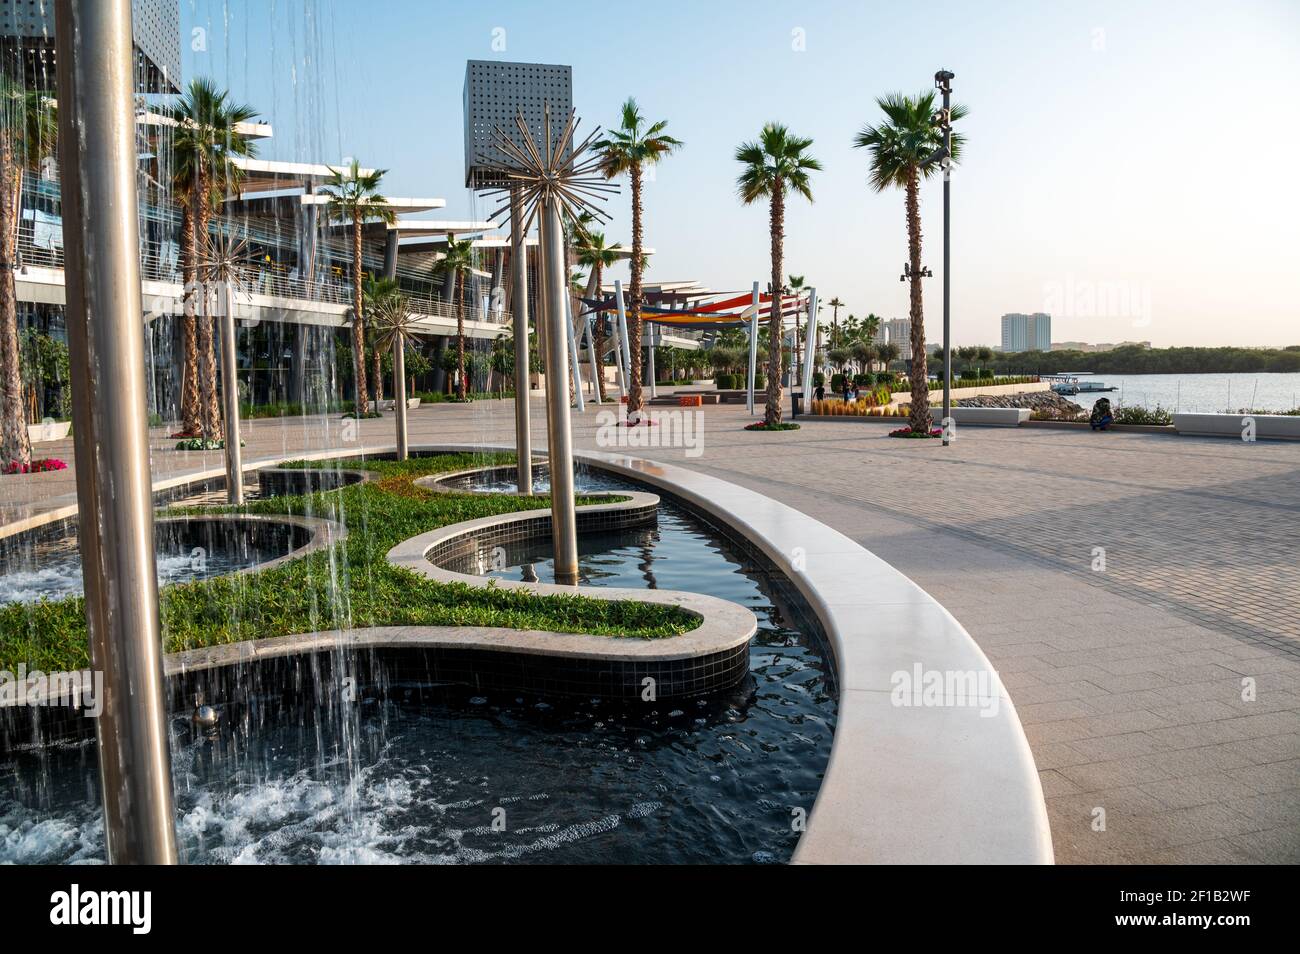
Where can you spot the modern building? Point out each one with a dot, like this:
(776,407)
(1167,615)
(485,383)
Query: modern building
(27,43)
(1027,332)
(898,332)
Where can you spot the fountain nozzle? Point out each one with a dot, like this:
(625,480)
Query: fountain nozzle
(205,717)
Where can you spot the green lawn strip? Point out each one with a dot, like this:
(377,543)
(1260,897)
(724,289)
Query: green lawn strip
(349,585)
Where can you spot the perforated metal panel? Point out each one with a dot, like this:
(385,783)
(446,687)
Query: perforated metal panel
(495,92)
(27,32)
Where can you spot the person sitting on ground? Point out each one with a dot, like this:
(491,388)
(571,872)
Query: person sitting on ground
(1101,417)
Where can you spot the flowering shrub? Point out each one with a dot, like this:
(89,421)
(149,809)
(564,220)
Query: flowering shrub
(778,426)
(908,432)
(40,466)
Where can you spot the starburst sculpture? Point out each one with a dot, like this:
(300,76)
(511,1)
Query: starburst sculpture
(393,321)
(552,170)
(227,260)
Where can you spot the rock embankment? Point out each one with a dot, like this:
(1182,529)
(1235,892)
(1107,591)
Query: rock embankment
(1047,403)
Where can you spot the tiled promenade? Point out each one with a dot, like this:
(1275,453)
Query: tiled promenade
(1129,680)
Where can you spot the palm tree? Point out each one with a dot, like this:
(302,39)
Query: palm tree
(836,305)
(629,149)
(775,164)
(395,327)
(456,266)
(206,143)
(795,285)
(901,150)
(354,198)
(595,255)
(205,146)
(27,134)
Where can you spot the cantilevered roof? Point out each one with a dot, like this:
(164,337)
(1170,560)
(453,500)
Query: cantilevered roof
(274,175)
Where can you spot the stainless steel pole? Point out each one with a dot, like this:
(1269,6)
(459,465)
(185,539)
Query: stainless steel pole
(399,354)
(519,300)
(753,348)
(809,343)
(571,340)
(564,533)
(230,386)
(97,159)
(624,347)
(399,396)
(946,87)
(594,359)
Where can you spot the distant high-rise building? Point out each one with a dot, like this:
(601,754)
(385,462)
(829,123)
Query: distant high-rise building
(1027,332)
(898,332)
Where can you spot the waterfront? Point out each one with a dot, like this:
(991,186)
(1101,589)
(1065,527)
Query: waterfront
(1198,393)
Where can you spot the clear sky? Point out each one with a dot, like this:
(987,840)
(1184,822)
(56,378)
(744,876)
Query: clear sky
(1129,165)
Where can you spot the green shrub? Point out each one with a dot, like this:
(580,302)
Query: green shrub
(1141,415)
(760,382)
(864,379)
(837,383)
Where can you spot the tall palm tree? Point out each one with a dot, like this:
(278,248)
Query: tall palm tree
(836,305)
(627,150)
(206,143)
(27,134)
(353,199)
(773,165)
(596,256)
(796,284)
(456,266)
(901,148)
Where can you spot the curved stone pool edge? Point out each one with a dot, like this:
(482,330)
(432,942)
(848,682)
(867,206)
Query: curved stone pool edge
(906,783)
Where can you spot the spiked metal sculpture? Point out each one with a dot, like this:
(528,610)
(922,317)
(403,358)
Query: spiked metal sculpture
(543,180)
(394,326)
(226,261)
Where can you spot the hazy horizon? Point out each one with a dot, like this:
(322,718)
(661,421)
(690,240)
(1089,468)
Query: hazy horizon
(1101,181)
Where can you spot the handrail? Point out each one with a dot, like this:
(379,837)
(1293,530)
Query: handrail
(260,281)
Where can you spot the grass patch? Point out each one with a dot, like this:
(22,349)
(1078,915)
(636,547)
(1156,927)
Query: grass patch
(349,585)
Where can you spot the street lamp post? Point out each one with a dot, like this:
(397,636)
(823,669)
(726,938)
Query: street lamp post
(943,81)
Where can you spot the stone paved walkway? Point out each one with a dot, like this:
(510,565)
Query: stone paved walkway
(1129,680)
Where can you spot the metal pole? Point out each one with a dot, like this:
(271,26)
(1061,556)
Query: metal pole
(230,383)
(809,342)
(399,395)
(945,84)
(564,533)
(97,159)
(571,339)
(753,348)
(399,355)
(650,366)
(593,358)
(519,301)
(625,353)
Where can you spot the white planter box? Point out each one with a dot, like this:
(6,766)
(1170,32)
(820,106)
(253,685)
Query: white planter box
(48,431)
(1274,426)
(412,403)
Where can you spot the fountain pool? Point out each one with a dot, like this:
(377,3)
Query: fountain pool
(424,774)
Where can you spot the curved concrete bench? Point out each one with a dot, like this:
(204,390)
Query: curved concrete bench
(1267,426)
